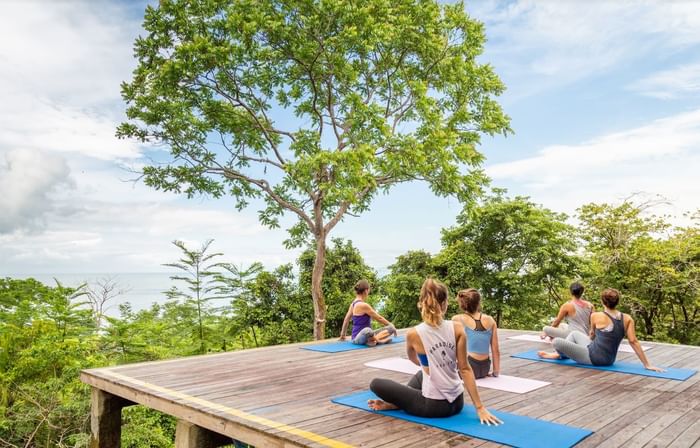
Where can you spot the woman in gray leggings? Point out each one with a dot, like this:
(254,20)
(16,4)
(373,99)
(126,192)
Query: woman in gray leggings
(607,331)
(576,312)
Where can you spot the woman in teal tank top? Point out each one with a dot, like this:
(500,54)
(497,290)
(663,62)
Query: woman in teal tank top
(482,334)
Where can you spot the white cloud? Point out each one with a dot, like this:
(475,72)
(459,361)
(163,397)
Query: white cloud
(70,51)
(659,158)
(669,84)
(32,122)
(62,63)
(28,179)
(545,43)
(129,237)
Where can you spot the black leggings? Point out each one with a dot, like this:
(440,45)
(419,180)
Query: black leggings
(411,400)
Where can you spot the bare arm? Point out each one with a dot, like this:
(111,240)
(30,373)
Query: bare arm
(410,349)
(591,329)
(563,312)
(495,351)
(465,371)
(634,342)
(374,315)
(346,322)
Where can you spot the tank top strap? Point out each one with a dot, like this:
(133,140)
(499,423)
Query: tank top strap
(478,326)
(614,318)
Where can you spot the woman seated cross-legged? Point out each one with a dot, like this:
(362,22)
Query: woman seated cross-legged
(576,312)
(607,331)
(361,313)
(482,334)
(439,346)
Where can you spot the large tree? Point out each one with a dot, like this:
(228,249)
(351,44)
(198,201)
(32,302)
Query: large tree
(516,252)
(656,267)
(311,107)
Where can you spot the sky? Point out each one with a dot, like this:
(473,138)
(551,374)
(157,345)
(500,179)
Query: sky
(604,100)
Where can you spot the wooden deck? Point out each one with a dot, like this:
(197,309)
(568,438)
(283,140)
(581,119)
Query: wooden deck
(280,397)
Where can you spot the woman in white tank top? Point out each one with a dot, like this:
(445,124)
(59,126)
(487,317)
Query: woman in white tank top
(440,347)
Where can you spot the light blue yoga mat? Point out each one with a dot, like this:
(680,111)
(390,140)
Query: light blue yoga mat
(621,367)
(516,430)
(344,346)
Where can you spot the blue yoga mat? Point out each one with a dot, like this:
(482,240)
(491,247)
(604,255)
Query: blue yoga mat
(621,367)
(344,346)
(516,430)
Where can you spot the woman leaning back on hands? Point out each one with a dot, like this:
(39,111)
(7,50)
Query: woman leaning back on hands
(439,347)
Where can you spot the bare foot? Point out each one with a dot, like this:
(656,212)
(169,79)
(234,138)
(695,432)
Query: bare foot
(548,355)
(380,405)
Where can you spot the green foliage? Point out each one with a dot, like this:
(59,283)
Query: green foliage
(200,274)
(265,308)
(658,274)
(402,287)
(514,251)
(144,427)
(46,338)
(344,267)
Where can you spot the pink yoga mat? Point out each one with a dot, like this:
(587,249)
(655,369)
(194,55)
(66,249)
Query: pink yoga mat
(503,382)
(535,338)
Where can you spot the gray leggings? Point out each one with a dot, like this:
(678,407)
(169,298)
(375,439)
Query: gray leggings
(575,346)
(561,331)
(364,334)
(410,398)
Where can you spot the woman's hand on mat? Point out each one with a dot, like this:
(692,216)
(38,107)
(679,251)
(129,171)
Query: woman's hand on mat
(486,417)
(494,374)
(342,338)
(654,368)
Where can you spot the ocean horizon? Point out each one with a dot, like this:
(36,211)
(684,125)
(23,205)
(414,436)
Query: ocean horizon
(140,289)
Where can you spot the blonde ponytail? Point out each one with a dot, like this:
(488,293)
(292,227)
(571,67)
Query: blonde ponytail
(433,296)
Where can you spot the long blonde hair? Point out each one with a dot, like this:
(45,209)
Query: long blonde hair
(433,296)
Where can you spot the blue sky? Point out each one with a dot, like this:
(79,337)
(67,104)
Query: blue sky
(603,96)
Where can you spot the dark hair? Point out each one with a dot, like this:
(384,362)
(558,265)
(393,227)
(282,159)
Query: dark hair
(469,300)
(610,297)
(433,295)
(361,286)
(576,289)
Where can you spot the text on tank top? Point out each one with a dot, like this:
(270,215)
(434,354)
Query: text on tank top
(443,382)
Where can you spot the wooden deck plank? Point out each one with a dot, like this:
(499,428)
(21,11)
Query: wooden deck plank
(289,386)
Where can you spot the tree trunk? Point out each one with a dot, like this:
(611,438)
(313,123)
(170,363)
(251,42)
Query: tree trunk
(316,290)
(649,324)
(255,337)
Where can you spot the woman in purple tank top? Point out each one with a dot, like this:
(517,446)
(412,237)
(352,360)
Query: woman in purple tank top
(362,314)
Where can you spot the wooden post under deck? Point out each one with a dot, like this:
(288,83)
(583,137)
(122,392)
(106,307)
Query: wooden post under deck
(106,419)
(189,435)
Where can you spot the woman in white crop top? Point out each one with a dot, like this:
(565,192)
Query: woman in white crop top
(439,346)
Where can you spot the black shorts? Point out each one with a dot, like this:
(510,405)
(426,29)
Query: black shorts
(480,367)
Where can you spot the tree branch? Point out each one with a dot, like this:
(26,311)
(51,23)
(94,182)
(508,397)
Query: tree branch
(344,206)
(237,101)
(264,186)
